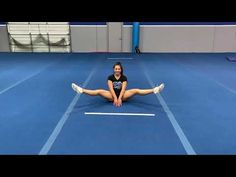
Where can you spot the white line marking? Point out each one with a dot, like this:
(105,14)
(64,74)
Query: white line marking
(120,58)
(187,146)
(26,78)
(119,114)
(205,76)
(47,146)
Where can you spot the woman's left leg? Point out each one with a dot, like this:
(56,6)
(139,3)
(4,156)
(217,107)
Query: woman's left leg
(132,92)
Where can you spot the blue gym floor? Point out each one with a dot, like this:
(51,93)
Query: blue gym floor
(41,114)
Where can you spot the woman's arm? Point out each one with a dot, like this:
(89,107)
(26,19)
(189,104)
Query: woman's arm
(123,89)
(122,92)
(110,86)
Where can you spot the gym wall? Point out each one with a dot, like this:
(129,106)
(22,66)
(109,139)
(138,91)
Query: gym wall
(93,37)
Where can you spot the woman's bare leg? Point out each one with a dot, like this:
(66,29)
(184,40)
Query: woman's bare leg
(132,92)
(104,93)
(128,93)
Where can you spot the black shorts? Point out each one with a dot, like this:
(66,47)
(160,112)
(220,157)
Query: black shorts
(117,94)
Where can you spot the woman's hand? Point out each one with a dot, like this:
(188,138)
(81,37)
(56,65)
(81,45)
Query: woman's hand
(119,102)
(115,102)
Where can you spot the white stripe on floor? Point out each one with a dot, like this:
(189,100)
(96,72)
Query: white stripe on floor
(118,114)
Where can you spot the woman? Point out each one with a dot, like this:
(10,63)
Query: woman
(117,92)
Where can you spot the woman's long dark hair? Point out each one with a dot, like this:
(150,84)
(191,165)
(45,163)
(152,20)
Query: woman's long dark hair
(119,64)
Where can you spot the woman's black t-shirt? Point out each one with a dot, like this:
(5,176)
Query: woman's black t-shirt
(117,83)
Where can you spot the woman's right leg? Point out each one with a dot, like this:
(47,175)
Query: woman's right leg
(104,93)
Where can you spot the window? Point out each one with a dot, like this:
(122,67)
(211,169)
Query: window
(39,36)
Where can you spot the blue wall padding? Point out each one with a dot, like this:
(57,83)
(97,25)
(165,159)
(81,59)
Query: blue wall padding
(135,36)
